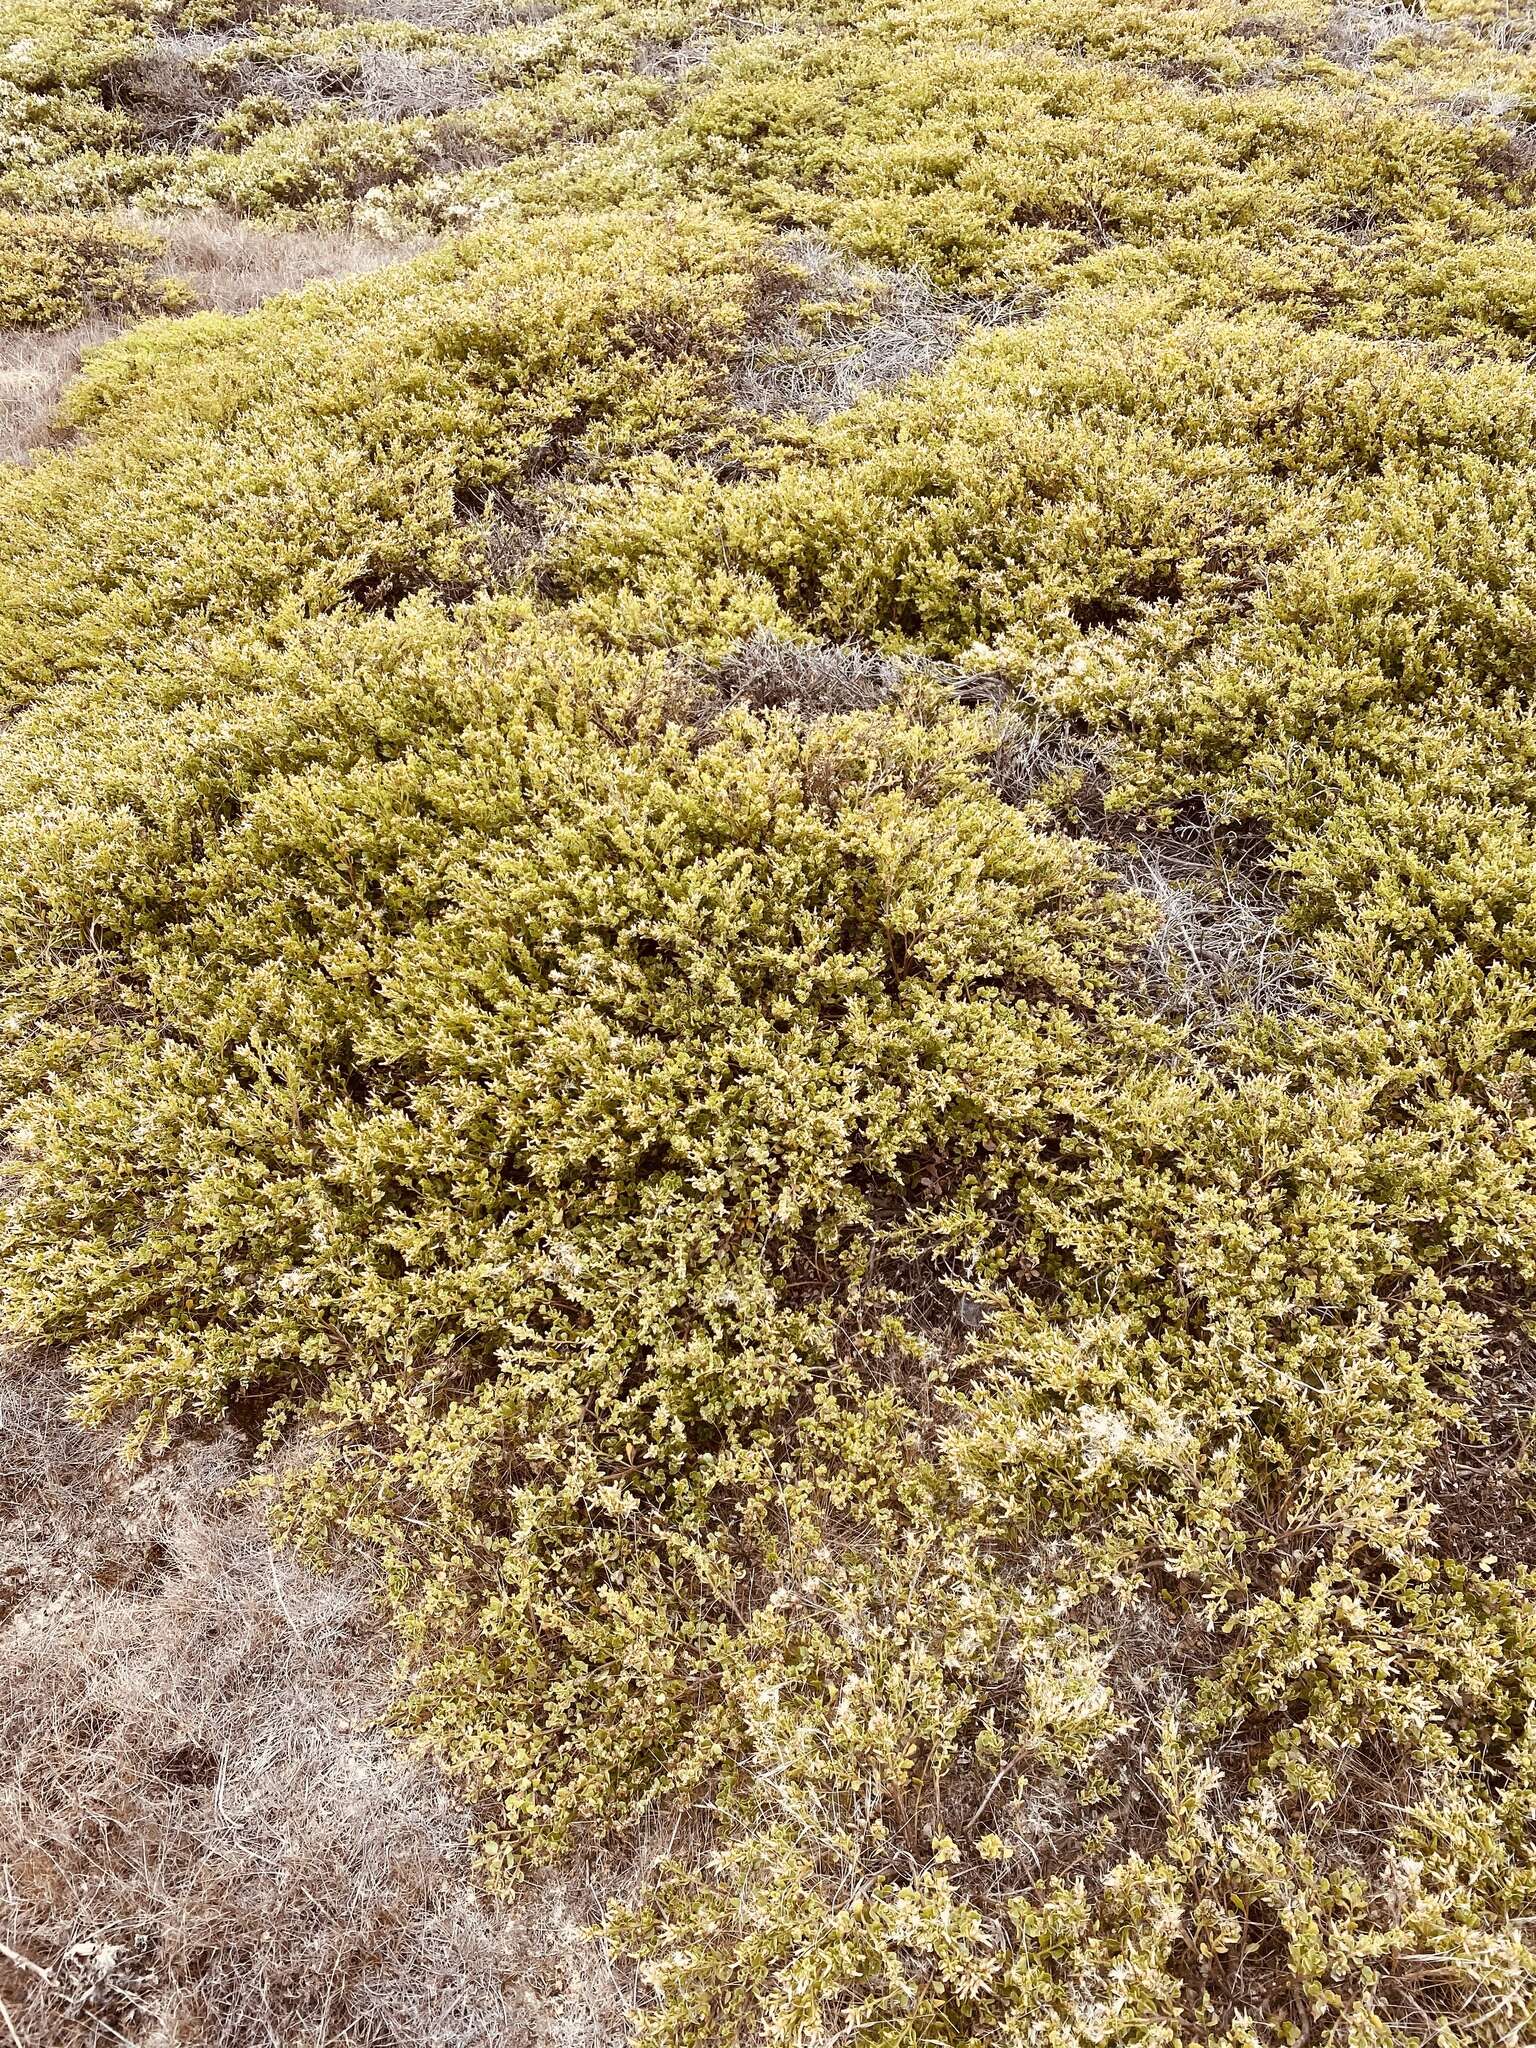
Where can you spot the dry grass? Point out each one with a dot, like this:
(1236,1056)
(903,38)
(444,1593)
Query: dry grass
(1032,751)
(831,329)
(767,674)
(1357,31)
(232,266)
(452,17)
(203,1841)
(505,535)
(672,60)
(229,267)
(1481,1486)
(820,679)
(1218,946)
(34,370)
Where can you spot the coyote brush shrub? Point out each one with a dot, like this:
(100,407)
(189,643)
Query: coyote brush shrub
(578,1125)
(532,964)
(55,274)
(204,493)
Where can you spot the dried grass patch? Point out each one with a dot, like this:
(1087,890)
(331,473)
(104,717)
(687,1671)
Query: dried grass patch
(204,1838)
(233,267)
(229,267)
(34,371)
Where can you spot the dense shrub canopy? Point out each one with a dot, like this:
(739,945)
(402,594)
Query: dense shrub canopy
(858,1087)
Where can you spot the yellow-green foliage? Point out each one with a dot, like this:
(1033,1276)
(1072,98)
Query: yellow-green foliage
(56,57)
(817,1329)
(54,273)
(209,492)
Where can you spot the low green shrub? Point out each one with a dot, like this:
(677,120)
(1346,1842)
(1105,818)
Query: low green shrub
(1033,1476)
(55,274)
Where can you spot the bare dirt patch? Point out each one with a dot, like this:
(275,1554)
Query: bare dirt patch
(1482,1484)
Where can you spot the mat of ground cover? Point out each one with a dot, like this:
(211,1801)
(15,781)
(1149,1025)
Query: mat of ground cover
(774,889)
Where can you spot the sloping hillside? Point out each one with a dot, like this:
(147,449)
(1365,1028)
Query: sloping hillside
(776,889)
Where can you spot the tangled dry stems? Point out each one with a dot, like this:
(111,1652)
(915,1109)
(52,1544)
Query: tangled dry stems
(1356,32)
(830,329)
(179,86)
(451,17)
(765,673)
(1219,944)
